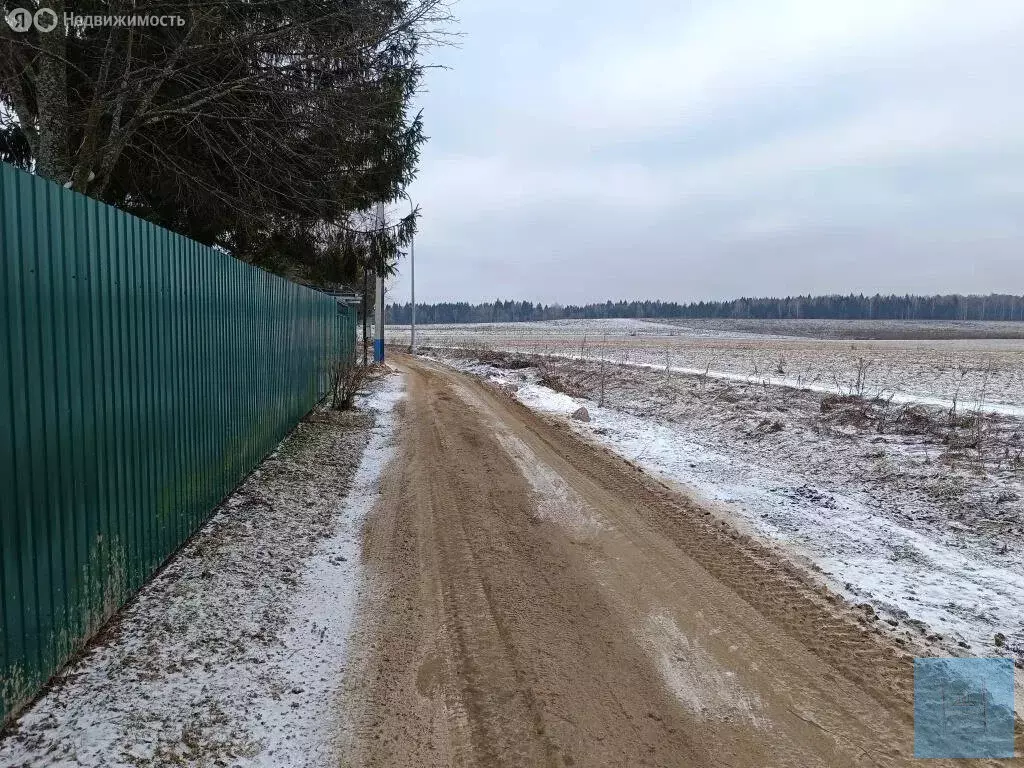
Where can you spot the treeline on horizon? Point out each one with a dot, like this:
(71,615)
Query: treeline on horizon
(833,307)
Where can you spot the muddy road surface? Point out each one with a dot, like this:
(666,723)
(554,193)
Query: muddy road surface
(537,601)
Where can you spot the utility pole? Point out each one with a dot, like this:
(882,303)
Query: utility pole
(412,279)
(366,313)
(378,336)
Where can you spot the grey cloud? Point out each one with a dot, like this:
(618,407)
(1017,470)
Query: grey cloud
(880,149)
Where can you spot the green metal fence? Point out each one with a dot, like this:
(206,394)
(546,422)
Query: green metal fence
(142,375)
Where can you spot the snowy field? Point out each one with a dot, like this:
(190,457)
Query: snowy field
(236,653)
(912,509)
(968,371)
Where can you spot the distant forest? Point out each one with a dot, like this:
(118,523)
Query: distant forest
(836,307)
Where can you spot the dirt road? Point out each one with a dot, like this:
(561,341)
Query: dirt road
(537,601)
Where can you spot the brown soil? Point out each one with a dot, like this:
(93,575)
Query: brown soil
(537,601)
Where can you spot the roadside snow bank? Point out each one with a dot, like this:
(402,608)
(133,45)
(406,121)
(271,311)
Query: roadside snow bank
(235,654)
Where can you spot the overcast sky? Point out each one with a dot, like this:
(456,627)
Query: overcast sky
(587,150)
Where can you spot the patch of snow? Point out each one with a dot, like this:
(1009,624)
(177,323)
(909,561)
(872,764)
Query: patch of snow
(543,398)
(695,678)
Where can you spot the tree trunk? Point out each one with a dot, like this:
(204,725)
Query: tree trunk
(54,161)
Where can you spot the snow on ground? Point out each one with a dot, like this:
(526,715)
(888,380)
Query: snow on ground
(235,654)
(969,401)
(902,397)
(976,372)
(926,575)
(856,329)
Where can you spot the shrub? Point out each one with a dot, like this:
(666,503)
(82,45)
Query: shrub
(347,377)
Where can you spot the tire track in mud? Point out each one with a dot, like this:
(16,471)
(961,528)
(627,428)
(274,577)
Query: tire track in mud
(536,661)
(495,635)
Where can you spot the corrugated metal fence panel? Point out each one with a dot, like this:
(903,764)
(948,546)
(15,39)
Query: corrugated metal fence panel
(142,375)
